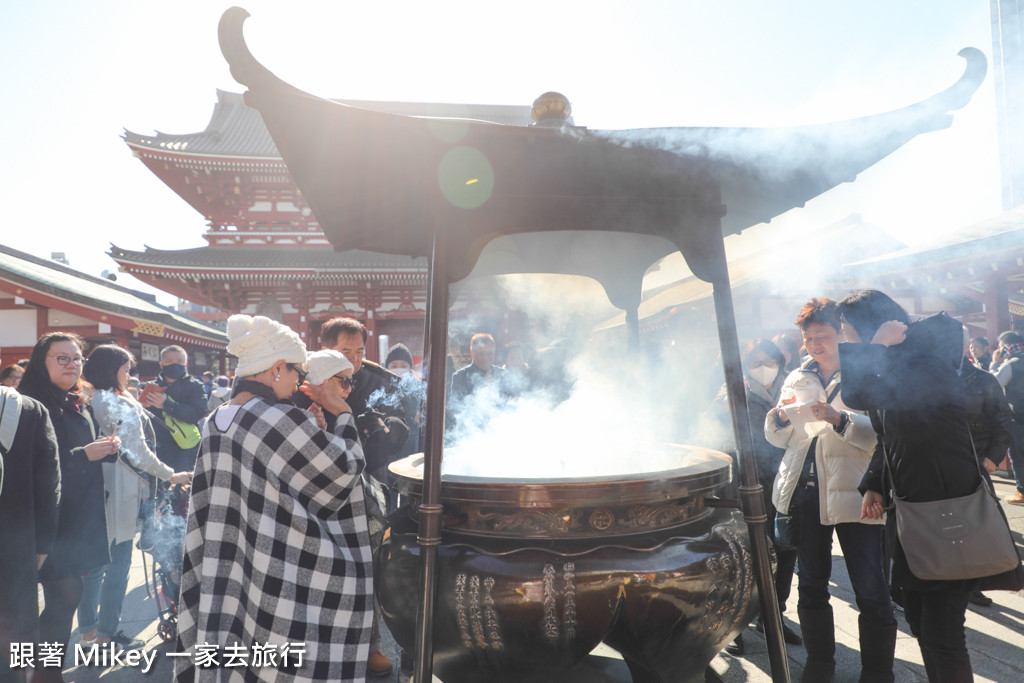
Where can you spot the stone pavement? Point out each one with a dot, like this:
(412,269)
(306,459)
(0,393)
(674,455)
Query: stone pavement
(995,636)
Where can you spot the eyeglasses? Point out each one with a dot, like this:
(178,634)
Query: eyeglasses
(299,371)
(346,382)
(64,361)
(766,363)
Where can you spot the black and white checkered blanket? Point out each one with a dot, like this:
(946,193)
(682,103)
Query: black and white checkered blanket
(276,552)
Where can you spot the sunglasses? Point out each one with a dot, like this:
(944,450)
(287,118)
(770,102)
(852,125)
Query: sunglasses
(299,371)
(346,382)
(64,361)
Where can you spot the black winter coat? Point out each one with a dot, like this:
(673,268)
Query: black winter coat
(760,400)
(919,411)
(376,402)
(988,413)
(81,542)
(28,519)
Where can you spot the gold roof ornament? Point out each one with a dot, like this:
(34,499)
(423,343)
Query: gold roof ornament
(551,109)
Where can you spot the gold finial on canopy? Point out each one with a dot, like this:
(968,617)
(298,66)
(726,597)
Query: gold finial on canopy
(551,109)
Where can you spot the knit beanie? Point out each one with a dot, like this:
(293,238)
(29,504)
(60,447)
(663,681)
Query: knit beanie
(399,352)
(259,342)
(322,365)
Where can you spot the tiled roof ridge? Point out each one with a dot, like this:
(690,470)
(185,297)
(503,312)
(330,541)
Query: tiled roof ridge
(207,254)
(235,128)
(998,229)
(232,98)
(68,270)
(179,320)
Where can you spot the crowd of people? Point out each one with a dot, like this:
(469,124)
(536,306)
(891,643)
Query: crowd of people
(98,448)
(285,468)
(875,403)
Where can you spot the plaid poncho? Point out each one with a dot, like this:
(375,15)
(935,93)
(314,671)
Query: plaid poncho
(276,552)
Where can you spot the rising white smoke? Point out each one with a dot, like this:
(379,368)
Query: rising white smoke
(593,408)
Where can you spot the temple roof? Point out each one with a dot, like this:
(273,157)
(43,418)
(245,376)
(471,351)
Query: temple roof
(235,129)
(103,296)
(999,238)
(267,258)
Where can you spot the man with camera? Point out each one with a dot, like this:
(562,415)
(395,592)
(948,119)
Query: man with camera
(376,402)
(177,403)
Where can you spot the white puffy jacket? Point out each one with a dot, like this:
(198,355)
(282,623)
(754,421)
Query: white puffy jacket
(840,459)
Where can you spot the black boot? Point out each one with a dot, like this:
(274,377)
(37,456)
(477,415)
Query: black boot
(736,648)
(819,631)
(947,666)
(789,635)
(877,651)
(979,598)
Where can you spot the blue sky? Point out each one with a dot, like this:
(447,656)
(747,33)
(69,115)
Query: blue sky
(76,74)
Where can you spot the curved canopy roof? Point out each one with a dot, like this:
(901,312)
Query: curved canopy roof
(385,182)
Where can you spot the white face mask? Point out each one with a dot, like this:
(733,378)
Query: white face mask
(401,372)
(764,374)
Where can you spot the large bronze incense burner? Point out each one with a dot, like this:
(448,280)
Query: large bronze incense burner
(445,189)
(527,507)
(534,573)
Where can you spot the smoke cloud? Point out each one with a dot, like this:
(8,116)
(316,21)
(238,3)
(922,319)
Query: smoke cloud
(591,407)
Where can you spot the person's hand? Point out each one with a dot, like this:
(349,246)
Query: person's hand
(872,506)
(101,448)
(990,466)
(890,333)
(181,478)
(157,399)
(780,411)
(318,413)
(997,355)
(823,411)
(326,397)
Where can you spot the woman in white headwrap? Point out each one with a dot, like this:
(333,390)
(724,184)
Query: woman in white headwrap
(277,571)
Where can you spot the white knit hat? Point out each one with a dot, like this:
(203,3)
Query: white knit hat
(260,342)
(322,365)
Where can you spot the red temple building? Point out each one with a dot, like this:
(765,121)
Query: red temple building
(266,253)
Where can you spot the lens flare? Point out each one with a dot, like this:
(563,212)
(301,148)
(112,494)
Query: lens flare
(465,177)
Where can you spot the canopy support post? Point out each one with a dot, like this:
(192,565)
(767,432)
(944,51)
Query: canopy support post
(751,499)
(429,537)
(633,329)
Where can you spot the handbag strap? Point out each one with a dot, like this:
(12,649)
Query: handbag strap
(977,461)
